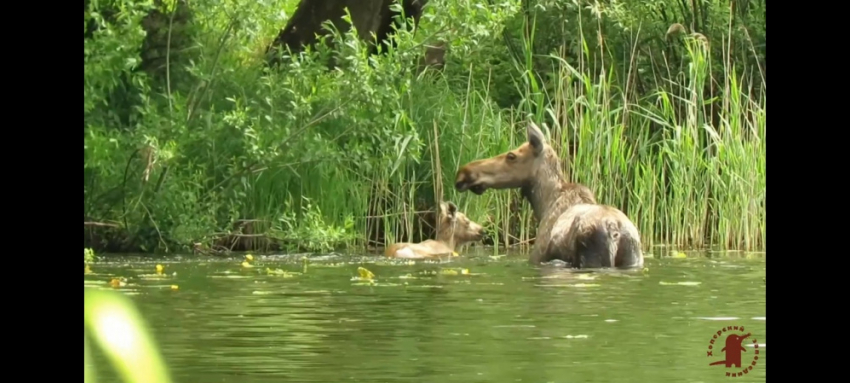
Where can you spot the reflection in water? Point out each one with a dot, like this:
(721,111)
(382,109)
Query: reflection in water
(503,322)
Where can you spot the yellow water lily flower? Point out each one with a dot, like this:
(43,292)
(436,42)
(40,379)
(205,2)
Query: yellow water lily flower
(365,273)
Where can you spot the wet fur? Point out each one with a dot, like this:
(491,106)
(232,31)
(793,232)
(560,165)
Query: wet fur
(454,229)
(572,227)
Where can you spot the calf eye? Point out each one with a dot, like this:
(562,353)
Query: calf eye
(511,156)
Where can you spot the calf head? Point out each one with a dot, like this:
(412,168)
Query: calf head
(456,226)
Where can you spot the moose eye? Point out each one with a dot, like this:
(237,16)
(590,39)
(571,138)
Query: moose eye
(511,156)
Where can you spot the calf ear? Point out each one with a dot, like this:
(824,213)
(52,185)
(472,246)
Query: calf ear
(452,209)
(535,137)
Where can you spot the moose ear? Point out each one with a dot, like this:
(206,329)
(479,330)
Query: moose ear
(452,208)
(443,209)
(535,137)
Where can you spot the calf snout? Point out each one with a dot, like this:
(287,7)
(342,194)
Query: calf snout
(479,232)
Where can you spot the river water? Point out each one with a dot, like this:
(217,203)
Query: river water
(475,319)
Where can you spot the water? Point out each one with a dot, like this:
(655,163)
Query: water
(505,321)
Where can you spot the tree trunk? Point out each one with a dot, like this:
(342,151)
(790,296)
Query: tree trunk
(368,16)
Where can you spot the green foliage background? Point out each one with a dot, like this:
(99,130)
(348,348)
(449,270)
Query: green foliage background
(189,136)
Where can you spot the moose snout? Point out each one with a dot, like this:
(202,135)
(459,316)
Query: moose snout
(463,180)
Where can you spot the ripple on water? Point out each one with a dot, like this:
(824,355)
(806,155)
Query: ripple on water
(505,321)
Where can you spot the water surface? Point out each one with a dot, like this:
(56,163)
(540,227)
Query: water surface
(504,321)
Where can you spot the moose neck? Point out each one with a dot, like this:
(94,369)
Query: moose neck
(543,190)
(446,236)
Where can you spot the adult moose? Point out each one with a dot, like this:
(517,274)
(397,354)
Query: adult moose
(571,227)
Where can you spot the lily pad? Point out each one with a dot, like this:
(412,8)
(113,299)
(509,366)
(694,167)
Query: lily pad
(154,276)
(282,273)
(686,283)
(229,276)
(340,264)
(586,285)
(454,272)
(372,283)
(571,285)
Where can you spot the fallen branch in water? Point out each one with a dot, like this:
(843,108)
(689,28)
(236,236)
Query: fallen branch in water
(100,224)
(239,235)
(521,243)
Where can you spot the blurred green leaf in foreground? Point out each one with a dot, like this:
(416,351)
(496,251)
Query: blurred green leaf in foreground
(117,328)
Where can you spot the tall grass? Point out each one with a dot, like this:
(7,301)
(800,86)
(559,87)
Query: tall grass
(694,186)
(691,185)
(315,160)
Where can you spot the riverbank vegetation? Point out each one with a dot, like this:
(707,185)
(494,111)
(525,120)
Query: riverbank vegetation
(193,140)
